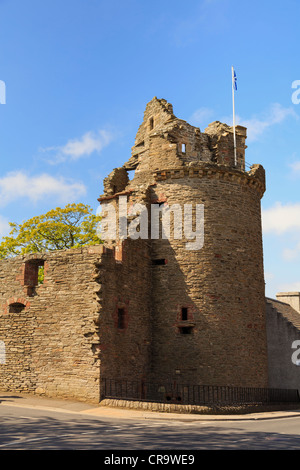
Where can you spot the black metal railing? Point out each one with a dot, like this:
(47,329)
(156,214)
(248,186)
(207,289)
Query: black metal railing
(195,394)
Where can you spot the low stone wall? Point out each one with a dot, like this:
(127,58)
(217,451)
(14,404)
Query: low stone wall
(48,329)
(196,409)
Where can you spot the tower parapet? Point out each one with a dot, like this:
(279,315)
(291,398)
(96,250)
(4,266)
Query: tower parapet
(165,144)
(208,302)
(221,143)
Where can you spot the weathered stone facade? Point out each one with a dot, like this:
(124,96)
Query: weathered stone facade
(146,308)
(207,303)
(61,335)
(47,343)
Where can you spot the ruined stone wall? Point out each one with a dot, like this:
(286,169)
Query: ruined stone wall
(124,316)
(164,141)
(47,329)
(221,144)
(62,336)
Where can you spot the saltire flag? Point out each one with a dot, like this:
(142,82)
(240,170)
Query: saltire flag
(234,87)
(234,80)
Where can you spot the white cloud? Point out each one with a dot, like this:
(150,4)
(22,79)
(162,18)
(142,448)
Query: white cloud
(295,166)
(77,148)
(201,116)
(284,220)
(256,126)
(17,185)
(281,218)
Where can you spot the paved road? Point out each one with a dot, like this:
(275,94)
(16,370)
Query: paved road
(43,427)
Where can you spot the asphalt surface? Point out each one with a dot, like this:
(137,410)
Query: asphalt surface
(29,401)
(39,423)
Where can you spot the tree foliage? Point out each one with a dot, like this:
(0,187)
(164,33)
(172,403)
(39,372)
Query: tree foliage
(73,226)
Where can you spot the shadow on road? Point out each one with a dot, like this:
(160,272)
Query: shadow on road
(7,398)
(35,433)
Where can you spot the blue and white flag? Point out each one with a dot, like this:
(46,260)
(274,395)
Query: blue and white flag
(234,80)
(234,87)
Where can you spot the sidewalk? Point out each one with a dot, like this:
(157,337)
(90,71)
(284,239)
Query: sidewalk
(69,406)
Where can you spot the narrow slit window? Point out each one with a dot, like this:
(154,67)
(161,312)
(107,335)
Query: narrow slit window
(151,123)
(184,313)
(183,148)
(186,330)
(159,262)
(121,318)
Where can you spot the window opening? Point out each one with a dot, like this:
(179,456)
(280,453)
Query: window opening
(151,123)
(131,173)
(186,330)
(16,307)
(183,148)
(159,262)
(184,313)
(41,273)
(34,273)
(121,318)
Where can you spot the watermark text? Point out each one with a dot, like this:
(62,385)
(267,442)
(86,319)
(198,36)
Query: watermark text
(160,222)
(2,92)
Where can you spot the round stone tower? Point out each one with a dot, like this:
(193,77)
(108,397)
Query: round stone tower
(207,314)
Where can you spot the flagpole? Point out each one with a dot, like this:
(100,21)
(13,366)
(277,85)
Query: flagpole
(233,122)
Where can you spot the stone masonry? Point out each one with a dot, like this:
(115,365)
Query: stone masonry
(207,305)
(147,308)
(58,340)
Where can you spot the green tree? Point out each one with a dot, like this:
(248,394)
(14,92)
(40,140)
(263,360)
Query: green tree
(62,228)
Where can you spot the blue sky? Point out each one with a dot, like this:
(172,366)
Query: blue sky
(79,73)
